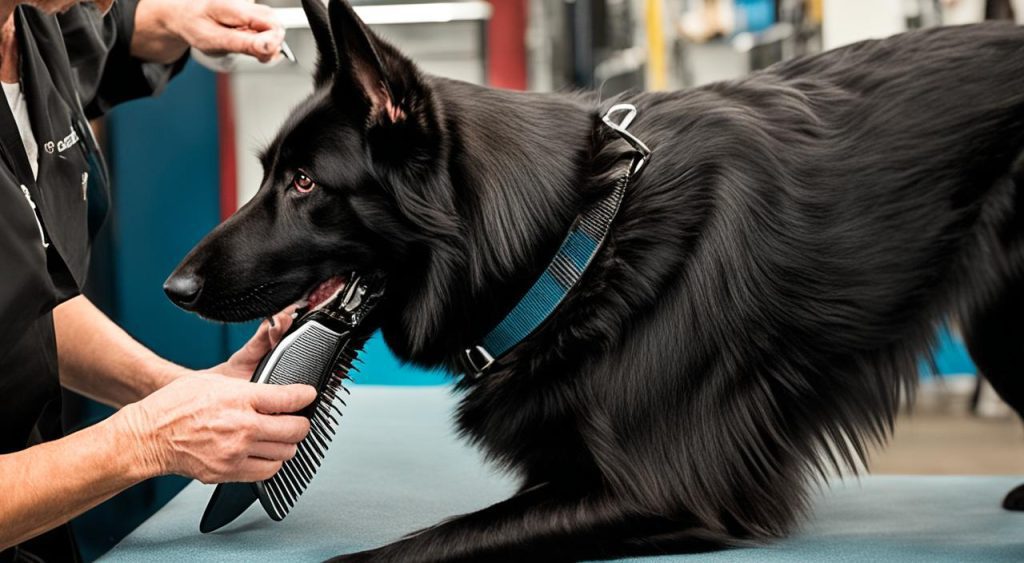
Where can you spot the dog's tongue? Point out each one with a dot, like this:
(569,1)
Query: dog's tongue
(327,289)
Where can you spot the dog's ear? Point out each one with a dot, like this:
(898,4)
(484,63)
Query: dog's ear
(383,90)
(385,78)
(327,59)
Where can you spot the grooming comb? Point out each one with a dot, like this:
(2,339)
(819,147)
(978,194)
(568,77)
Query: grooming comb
(319,350)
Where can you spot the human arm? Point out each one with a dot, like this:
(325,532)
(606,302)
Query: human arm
(101,361)
(133,50)
(165,29)
(47,485)
(210,428)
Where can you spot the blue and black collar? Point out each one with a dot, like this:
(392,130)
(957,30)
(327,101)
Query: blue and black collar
(574,256)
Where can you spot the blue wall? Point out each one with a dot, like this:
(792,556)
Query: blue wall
(165,164)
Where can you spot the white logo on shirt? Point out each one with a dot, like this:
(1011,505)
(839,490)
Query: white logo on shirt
(65,143)
(49,147)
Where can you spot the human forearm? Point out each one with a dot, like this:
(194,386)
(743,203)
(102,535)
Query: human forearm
(164,29)
(47,485)
(206,427)
(101,361)
(154,40)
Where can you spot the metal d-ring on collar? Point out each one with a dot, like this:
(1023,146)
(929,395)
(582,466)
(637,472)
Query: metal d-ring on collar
(643,152)
(587,234)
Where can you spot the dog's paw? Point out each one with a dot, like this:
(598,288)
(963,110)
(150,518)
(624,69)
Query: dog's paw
(1014,499)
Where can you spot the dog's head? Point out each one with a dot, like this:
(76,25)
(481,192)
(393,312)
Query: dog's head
(350,184)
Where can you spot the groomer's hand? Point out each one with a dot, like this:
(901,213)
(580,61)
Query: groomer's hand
(216,429)
(165,29)
(243,363)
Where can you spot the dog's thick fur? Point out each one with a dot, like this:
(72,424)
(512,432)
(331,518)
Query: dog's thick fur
(753,320)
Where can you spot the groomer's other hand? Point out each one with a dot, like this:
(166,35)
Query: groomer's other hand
(217,430)
(165,29)
(243,363)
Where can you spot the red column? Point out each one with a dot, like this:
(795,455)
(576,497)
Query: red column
(226,135)
(506,44)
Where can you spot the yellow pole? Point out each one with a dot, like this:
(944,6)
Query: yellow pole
(657,78)
(815,11)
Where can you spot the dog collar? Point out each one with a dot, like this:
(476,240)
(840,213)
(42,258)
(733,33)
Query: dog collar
(587,234)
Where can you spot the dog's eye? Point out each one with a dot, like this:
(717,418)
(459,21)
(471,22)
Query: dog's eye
(302,183)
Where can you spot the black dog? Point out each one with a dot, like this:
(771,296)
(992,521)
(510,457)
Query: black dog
(748,327)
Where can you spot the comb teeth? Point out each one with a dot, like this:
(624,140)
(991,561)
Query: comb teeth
(320,350)
(313,360)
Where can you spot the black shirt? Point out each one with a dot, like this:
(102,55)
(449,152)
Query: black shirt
(74,66)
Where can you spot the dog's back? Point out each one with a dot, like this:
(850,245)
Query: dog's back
(870,163)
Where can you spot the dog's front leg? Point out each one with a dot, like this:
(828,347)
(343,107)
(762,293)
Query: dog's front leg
(544,524)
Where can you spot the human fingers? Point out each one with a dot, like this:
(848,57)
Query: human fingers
(274,399)
(274,451)
(286,429)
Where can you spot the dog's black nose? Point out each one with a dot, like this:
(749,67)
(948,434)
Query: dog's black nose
(183,289)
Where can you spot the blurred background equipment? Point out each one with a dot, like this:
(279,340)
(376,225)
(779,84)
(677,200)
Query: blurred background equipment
(176,177)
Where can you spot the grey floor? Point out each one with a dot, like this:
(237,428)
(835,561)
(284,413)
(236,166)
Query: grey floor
(396,467)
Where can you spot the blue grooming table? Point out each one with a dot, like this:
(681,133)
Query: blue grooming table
(396,466)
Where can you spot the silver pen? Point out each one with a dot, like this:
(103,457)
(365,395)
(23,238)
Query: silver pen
(287,53)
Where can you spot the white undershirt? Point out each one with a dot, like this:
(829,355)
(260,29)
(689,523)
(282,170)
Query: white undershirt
(19,107)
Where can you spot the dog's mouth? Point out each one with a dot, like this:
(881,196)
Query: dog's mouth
(321,294)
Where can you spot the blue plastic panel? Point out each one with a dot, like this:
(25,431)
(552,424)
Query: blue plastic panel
(164,162)
(754,15)
(950,356)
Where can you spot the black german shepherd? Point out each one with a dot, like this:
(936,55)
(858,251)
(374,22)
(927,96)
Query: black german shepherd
(749,326)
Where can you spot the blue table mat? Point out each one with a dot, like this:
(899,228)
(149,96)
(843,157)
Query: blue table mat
(397,466)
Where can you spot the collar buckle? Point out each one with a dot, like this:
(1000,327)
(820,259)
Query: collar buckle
(476,360)
(643,151)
